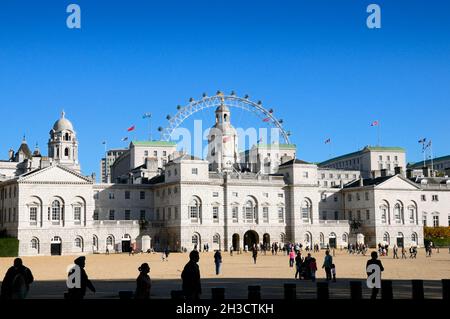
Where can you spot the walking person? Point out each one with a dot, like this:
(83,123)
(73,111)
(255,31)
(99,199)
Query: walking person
(328,261)
(395,251)
(333,272)
(192,288)
(143,283)
(167,252)
(16,283)
(218,261)
(79,293)
(298,265)
(255,255)
(291,258)
(374,261)
(404,253)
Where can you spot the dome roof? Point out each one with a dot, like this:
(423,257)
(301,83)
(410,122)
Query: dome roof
(62,124)
(222,108)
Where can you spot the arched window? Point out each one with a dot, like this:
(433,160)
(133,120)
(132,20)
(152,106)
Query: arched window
(308,238)
(249,211)
(386,238)
(66,152)
(216,239)
(195,239)
(412,214)
(109,241)
(282,238)
(56,210)
(414,238)
(78,242)
(384,210)
(345,238)
(306,211)
(195,210)
(398,213)
(322,239)
(34,244)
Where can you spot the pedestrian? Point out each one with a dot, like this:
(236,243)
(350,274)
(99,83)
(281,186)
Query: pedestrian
(291,258)
(255,255)
(192,288)
(328,261)
(167,252)
(403,253)
(80,292)
(143,283)
(395,251)
(374,261)
(313,269)
(298,265)
(107,250)
(231,250)
(333,272)
(218,261)
(16,283)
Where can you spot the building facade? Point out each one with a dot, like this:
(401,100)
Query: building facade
(158,197)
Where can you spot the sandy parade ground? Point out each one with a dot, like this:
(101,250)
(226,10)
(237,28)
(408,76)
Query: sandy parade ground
(115,272)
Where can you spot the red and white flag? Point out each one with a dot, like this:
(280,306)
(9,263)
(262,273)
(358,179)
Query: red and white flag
(375,123)
(131,128)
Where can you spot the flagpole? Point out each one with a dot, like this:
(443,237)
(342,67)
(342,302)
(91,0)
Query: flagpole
(432,161)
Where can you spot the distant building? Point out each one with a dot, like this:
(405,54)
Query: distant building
(106,163)
(439,166)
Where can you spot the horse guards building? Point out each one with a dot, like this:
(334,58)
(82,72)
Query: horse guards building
(160,197)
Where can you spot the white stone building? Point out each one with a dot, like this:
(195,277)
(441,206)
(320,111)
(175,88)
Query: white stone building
(163,198)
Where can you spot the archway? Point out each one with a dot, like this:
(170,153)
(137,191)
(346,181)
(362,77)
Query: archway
(235,241)
(332,240)
(56,246)
(266,240)
(126,243)
(400,240)
(251,238)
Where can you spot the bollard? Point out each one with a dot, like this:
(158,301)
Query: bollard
(356,290)
(386,290)
(290,291)
(218,294)
(125,294)
(417,290)
(323,292)
(254,292)
(177,295)
(446,289)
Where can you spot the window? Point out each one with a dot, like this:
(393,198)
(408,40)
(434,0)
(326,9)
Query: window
(424,220)
(176,213)
(142,195)
(358,215)
(164,153)
(358,196)
(34,244)
(78,242)
(169,213)
(335,198)
(56,210)
(424,198)
(324,215)
(77,213)
(142,215)
(215,194)
(324,197)
(366,195)
(266,215)
(235,213)
(367,214)
(322,176)
(195,240)
(33,214)
(194,210)
(215,214)
(155,153)
(325,183)
(306,211)
(266,195)
(127,214)
(350,215)
(436,221)
(349,197)
(127,194)
(195,171)
(280,195)
(109,241)
(388,158)
(111,195)
(96,194)
(397,213)
(336,216)
(281,214)
(396,158)
(380,157)
(111,214)
(145,153)
(305,174)
(249,212)
(435,198)
(386,238)
(411,213)
(175,172)
(216,239)
(95,216)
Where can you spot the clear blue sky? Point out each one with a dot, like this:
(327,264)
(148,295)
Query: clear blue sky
(325,73)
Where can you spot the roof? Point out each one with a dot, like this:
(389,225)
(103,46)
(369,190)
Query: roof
(279,146)
(369,182)
(428,162)
(296,161)
(154,143)
(63,124)
(364,150)
(186,157)
(25,149)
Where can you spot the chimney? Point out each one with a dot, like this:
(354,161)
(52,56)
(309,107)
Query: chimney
(426,171)
(11,154)
(409,173)
(383,172)
(398,170)
(361,181)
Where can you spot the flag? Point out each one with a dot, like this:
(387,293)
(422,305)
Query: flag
(375,123)
(328,141)
(125,139)
(104,142)
(422,141)
(267,119)
(146,115)
(430,143)
(131,128)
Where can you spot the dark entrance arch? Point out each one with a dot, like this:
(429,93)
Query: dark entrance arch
(236,242)
(266,240)
(251,238)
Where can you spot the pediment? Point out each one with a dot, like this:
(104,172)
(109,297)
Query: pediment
(55,174)
(397,182)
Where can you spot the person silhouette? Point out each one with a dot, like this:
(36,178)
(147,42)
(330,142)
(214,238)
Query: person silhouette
(143,283)
(255,254)
(192,288)
(79,293)
(374,261)
(16,283)
(218,261)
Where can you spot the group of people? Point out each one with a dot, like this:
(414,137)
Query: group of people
(357,249)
